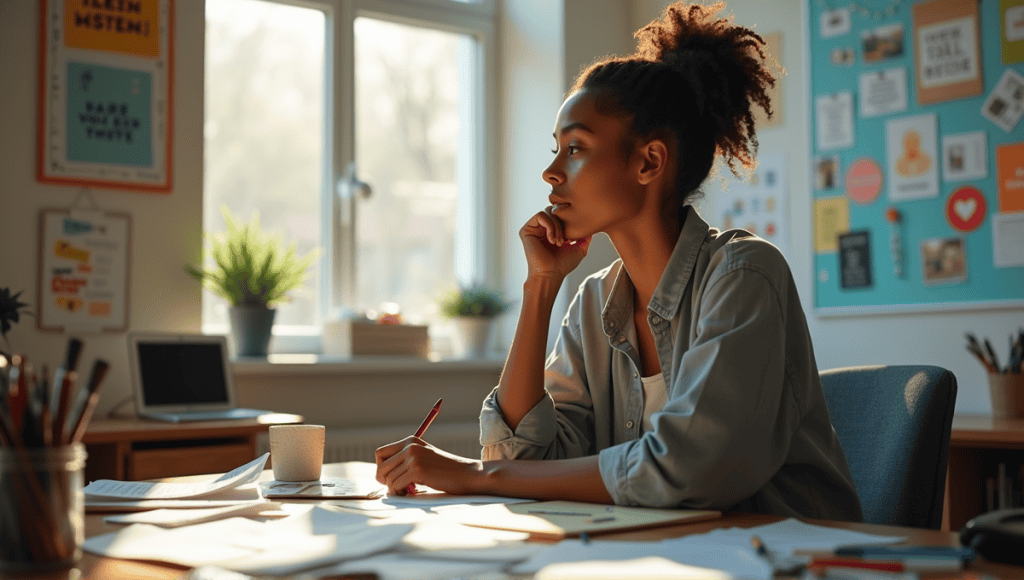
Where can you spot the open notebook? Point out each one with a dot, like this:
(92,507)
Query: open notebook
(183,377)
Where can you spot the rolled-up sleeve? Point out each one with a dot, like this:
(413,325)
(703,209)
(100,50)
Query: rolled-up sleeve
(560,425)
(731,414)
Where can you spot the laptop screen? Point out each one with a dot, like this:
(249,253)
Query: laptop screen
(182,373)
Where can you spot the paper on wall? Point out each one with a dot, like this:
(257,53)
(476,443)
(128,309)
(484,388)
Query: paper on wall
(883,92)
(1008,239)
(911,145)
(834,121)
(1005,105)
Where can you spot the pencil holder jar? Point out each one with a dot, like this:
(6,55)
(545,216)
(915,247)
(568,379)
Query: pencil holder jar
(42,511)
(1007,392)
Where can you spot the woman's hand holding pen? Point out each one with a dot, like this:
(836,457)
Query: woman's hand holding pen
(548,253)
(412,460)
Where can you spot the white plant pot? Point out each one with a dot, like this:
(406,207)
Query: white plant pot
(473,336)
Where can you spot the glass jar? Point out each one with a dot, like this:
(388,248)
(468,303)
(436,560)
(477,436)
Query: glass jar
(42,511)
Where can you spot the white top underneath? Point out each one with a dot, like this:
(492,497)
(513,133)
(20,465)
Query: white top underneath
(654,398)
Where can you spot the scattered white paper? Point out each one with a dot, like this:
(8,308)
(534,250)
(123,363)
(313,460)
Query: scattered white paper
(911,145)
(311,539)
(834,121)
(720,551)
(173,518)
(964,156)
(1008,239)
(883,92)
(137,490)
(648,567)
(1005,105)
(406,567)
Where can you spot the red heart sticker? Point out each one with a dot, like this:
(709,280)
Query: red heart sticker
(965,209)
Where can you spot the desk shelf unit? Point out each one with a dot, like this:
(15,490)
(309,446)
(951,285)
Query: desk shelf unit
(135,449)
(978,444)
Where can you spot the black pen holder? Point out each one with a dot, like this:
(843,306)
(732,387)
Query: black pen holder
(1007,392)
(42,510)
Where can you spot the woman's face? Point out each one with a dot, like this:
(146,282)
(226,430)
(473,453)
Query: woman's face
(593,185)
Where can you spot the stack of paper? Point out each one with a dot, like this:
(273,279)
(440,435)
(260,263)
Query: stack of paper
(231,489)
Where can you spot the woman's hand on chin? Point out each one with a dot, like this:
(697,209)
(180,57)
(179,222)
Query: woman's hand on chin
(412,460)
(548,253)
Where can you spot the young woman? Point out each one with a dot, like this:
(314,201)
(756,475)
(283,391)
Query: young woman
(683,374)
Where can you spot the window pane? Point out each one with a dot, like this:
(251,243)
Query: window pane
(264,140)
(414,94)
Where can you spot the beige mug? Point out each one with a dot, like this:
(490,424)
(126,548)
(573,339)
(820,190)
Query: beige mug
(297,452)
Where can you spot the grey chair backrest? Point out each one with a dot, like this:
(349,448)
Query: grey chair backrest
(894,424)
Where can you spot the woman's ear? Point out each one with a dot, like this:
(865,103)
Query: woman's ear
(654,155)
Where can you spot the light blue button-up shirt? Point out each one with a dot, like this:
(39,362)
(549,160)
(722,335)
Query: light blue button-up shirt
(745,426)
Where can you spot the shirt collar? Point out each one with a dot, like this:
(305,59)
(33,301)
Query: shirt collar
(669,293)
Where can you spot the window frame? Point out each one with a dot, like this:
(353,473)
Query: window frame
(481,248)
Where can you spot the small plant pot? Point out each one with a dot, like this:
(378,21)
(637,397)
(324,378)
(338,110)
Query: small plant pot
(473,335)
(251,328)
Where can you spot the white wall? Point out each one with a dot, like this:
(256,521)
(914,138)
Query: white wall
(862,340)
(165,227)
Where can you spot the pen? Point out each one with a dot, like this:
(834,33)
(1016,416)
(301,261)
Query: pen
(792,568)
(885,566)
(981,357)
(992,355)
(423,429)
(99,370)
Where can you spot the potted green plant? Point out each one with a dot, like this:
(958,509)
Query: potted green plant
(254,272)
(473,310)
(11,310)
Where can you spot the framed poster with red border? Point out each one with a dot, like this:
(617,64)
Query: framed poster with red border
(106,75)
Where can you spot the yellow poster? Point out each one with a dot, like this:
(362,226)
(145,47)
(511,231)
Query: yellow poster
(831,218)
(125,26)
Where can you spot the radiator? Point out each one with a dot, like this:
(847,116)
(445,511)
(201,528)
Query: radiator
(359,444)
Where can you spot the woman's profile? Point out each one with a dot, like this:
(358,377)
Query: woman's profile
(683,374)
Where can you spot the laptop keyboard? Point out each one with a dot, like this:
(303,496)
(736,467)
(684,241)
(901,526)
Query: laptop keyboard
(210,415)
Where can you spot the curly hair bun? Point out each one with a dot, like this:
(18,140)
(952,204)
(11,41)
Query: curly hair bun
(725,66)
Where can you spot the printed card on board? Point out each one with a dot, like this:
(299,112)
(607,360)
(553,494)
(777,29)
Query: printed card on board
(943,260)
(834,121)
(913,157)
(1005,105)
(964,156)
(855,260)
(883,92)
(947,51)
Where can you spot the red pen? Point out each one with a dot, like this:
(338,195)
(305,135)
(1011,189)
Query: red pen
(423,429)
(882,565)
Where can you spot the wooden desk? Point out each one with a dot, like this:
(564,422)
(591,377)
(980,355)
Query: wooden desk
(978,443)
(97,568)
(135,449)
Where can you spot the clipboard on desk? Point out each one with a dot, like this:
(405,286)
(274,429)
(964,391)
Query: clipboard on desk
(567,519)
(331,488)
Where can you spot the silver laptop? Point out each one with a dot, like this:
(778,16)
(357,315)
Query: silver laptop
(183,377)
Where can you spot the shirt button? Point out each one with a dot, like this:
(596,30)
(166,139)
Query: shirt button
(621,339)
(635,374)
(655,319)
(629,424)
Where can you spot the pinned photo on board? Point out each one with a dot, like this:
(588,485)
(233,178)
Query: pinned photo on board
(842,56)
(835,22)
(882,43)
(1005,105)
(944,260)
(826,172)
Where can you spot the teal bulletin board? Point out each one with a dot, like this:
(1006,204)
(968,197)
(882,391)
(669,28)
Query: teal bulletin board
(918,154)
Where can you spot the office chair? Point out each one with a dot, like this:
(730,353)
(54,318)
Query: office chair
(894,424)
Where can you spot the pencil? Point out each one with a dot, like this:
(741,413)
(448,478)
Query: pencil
(411,488)
(981,357)
(99,370)
(992,355)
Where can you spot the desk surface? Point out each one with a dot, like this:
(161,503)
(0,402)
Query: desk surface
(137,429)
(97,568)
(983,430)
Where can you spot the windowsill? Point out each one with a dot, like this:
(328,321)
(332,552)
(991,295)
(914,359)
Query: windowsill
(302,364)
